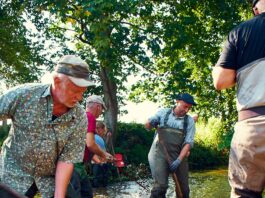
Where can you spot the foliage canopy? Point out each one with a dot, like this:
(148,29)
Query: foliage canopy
(172,44)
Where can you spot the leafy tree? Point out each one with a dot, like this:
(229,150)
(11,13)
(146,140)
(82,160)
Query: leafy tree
(173,43)
(192,34)
(110,35)
(19,54)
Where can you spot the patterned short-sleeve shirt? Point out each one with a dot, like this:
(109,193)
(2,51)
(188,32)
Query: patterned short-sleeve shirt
(36,142)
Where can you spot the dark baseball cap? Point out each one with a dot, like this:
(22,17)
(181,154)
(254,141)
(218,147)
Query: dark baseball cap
(186,98)
(254,2)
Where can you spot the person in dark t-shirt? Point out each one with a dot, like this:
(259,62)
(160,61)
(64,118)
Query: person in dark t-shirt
(242,62)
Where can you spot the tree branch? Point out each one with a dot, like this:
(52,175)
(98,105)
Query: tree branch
(62,28)
(127,23)
(80,37)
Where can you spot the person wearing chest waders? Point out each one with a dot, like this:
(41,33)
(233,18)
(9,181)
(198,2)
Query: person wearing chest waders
(171,145)
(242,62)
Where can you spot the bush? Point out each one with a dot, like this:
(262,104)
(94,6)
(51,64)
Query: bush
(202,157)
(211,145)
(210,148)
(209,134)
(134,142)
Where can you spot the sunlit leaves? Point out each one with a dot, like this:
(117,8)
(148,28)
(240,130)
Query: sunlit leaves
(19,55)
(173,44)
(192,33)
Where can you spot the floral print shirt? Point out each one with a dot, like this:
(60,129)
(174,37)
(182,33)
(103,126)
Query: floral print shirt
(36,142)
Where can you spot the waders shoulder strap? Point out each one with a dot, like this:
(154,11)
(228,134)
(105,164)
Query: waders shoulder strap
(185,124)
(166,117)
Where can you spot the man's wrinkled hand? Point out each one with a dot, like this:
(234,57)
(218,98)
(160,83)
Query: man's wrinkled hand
(174,165)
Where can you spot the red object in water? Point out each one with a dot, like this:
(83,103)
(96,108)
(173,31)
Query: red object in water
(119,160)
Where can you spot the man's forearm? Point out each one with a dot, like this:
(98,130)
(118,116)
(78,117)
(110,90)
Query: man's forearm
(62,177)
(94,148)
(223,78)
(184,151)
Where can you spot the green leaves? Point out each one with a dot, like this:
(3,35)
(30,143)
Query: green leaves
(173,43)
(19,56)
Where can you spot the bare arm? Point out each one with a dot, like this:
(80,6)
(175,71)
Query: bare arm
(223,78)
(184,151)
(62,177)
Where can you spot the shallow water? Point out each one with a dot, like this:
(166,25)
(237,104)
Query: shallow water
(203,184)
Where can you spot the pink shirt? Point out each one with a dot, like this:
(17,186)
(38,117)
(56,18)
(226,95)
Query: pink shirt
(91,128)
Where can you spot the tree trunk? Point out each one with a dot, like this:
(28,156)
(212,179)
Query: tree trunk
(110,97)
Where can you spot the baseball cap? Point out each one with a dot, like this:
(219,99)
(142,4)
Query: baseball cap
(96,99)
(186,98)
(254,2)
(76,69)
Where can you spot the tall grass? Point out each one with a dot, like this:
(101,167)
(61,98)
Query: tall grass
(211,145)
(209,134)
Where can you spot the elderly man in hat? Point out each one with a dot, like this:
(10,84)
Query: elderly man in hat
(80,186)
(47,134)
(242,62)
(171,145)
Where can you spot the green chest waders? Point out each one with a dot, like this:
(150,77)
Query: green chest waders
(166,148)
(170,142)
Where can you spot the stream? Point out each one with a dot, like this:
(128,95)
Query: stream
(203,184)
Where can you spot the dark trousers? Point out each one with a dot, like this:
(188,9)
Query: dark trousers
(79,187)
(100,175)
(32,191)
(7,192)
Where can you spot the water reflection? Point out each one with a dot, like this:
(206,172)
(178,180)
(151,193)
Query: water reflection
(210,184)
(204,184)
